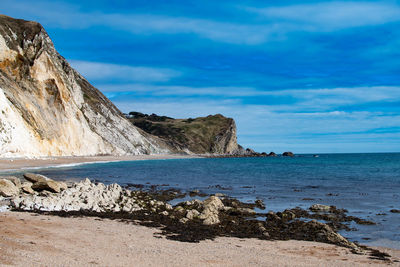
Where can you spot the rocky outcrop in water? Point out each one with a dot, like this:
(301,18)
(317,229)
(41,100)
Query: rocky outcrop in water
(48,109)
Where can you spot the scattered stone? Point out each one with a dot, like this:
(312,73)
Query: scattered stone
(165,213)
(191,214)
(247,211)
(183,220)
(192,220)
(260,204)
(320,207)
(8,188)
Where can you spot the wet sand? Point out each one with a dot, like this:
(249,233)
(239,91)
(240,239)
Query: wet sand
(15,164)
(29,239)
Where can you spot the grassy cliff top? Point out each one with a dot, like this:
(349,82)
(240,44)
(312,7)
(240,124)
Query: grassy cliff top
(198,135)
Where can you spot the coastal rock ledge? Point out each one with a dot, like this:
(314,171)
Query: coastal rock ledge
(203,219)
(189,221)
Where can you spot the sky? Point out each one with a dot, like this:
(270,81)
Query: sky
(301,76)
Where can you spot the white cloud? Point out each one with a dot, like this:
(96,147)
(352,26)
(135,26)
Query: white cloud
(315,100)
(276,22)
(174,90)
(326,16)
(94,71)
(330,98)
(209,29)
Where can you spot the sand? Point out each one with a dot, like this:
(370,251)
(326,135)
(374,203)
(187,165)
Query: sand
(15,164)
(29,239)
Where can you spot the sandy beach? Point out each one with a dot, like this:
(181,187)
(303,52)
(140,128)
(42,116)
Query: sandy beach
(15,164)
(29,239)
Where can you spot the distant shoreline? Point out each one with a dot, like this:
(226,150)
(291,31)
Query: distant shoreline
(18,164)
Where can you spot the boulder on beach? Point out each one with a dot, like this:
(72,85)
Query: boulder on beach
(13,179)
(210,214)
(8,188)
(41,182)
(26,187)
(34,178)
(51,186)
(324,233)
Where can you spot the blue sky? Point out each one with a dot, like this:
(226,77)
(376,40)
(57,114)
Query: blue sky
(305,76)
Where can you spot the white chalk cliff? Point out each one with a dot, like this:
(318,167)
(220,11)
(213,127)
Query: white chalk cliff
(48,109)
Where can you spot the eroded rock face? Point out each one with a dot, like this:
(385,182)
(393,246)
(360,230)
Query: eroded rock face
(49,109)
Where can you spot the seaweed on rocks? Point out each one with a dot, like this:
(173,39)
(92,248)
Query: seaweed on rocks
(194,220)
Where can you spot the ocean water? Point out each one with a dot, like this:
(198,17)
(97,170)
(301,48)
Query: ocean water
(367,185)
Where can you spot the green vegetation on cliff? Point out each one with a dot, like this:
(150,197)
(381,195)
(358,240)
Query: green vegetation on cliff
(212,134)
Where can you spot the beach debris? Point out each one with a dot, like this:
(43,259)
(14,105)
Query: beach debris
(8,188)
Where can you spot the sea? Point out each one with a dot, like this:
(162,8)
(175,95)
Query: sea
(367,185)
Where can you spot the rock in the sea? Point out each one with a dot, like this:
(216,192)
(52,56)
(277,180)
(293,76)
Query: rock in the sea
(210,213)
(8,188)
(247,211)
(287,215)
(260,204)
(394,211)
(288,154)
(272,154)
(320,207)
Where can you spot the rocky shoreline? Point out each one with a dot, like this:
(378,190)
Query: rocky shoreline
(188,221)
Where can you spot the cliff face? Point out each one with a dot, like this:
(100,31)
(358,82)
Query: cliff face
(212,134)
(49,109)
